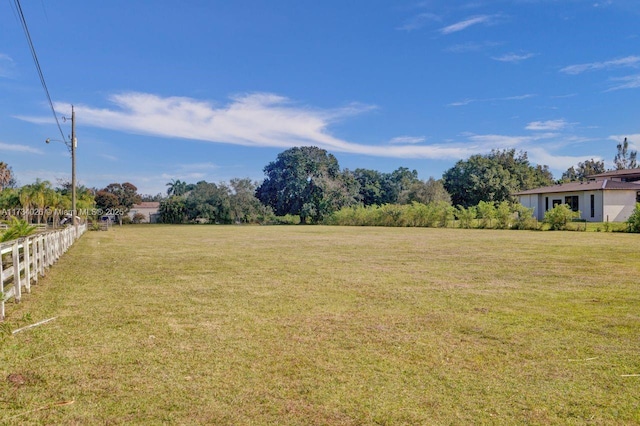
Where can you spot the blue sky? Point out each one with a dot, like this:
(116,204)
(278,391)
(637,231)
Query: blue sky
(215,89)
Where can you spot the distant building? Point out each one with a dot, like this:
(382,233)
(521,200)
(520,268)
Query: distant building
(606,197)
(150,210)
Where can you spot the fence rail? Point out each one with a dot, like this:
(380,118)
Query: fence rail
(23,260)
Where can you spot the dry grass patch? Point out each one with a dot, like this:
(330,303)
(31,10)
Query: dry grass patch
(324,325)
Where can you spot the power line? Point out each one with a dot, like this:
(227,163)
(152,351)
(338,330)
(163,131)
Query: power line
(23,21)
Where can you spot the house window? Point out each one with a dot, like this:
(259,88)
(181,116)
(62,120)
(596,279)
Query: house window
(593,205)
(572,202)
(556,202)
(638,197)
(546,204)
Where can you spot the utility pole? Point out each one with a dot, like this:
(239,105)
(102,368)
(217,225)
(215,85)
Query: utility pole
(71,146)
(74,143)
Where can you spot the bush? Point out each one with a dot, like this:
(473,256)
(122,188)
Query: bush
(466,216)
(287,220)
(524,217)
(504,215)
(486,213)
(633,223)
(18,228)
(138,218)
(558,217)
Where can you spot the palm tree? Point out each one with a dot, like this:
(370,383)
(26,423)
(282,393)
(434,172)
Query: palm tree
(25,201)
(6,176)
(176,187)
(39,191)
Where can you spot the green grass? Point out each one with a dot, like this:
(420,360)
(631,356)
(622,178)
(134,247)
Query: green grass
(320,325)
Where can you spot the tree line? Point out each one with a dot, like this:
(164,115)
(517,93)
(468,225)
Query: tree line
(306,183)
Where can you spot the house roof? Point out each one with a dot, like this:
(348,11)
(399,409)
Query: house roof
(592,185)
(147,205)
(626,173)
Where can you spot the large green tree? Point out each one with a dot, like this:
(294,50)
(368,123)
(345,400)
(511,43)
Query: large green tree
(173,210)
(377,188)
(493,177)
(245,207)
(305,181)
(425,192)
(583,170)
(209,202)
(117,197)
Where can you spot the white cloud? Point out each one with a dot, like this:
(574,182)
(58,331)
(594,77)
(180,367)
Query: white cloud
(418,21)
(109,157)
(560,163)
(7,66)
(256,119)
(547,125)
(463,102)
(508,98)
(513,57)
(462,25)
(633,139)
(408,139)
(198,166)
(629,61)
(628,82)
(472,46)
(541,148)
(19,148)
(268,120)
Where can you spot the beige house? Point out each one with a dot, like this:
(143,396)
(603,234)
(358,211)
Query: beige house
(150,210)
(610,196)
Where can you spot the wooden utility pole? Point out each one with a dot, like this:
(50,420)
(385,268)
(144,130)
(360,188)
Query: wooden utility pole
(73,166)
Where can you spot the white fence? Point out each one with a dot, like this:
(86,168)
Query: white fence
(23,260)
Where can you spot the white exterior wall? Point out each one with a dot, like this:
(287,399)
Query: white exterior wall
(538,203)
(150,214)
(532,202)
(618,205)
(598,208)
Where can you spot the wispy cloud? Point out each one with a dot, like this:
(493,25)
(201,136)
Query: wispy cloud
(469,22)
(633,139)
(7,66)
(508,98)
(548,125)
(629,61)
(541,148)
(408,140)
(256,119)
(418,21)
(603,3)
(198,166)
(628,82)
(19,148)
(513,57)
(472,46)
(109,157)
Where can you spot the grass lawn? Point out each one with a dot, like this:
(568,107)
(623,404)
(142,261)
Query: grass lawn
(322,325)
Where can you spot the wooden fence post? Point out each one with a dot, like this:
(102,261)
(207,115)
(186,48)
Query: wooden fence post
(27,264)
(17,286)
(1,290)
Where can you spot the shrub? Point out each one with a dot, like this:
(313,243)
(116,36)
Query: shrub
(504,215)
(558,217)
(466,216)
(138,218)
(486,213)
(524,217)
(633,223)
(18,228)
